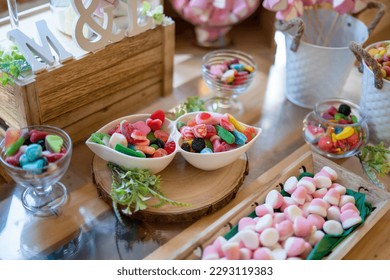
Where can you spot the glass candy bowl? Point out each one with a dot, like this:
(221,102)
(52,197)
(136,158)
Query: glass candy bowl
(336,128)
(43,194)
(217,71)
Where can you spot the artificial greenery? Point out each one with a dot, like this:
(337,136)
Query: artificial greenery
(193,104)
(376,158)
(131,189)
(12,65)
(157,14)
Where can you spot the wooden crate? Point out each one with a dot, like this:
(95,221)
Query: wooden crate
(83,94)
(190,243)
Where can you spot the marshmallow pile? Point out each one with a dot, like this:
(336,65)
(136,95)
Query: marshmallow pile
(214,13)
(288,227)
(289,9)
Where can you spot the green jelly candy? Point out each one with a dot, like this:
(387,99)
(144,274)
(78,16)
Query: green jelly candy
(154,146)
(208,144)
(354,119)
(225,135)
(54,143)
(130,152)
(151,136)
(180,125)
(338,116)
(14,147)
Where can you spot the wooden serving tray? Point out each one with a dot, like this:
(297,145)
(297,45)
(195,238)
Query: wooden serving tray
(190,243)
(205,191)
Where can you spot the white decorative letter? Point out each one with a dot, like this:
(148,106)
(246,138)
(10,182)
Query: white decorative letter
(29,48)
(104,35)
(134,27)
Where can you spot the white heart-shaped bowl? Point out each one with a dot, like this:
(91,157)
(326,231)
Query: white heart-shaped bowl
(213,161)
(154,165)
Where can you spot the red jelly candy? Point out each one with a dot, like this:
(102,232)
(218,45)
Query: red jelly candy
(170,147)
(14,160)
(159,114)
(126,129)
(160,153)
(192,122)
(162,135)
(353,140)
(155,124)
(53,157)
(36,135)
(211,131)
(115,129)
(250,133)
(325,144)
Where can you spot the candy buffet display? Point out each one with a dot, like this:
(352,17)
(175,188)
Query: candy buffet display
(302,221)
(381,53)
(336,128)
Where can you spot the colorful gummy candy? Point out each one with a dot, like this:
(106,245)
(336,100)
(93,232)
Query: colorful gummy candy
(144,139)
(381,53)
(32,150)
(335,136)
(231,72)
(214,133)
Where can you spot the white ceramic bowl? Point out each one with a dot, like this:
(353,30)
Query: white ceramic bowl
(213,161)
(154,165)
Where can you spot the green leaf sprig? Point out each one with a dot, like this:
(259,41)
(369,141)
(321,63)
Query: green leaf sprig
(12,65)
(157,14)
(131,189)
(377,158)
(193,104)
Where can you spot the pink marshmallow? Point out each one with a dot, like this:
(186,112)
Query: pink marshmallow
(308,198)
(290,185)
(343,6)
(199,6)
(219,17)
(350,218)
(279,254)
(330,172)
(279,217)
(287,201)
(322,180)
(294,246)
(264,222)
(274,198)
(263,209)
(315,237)
(179,4)
(269,237)
(344,199)
(318,206)
(292,212)
(246,223)
(359,5)
(332,197)
(245,254)
(285,229)
(332,227)
(218,243)
(333,213)
(316,220)
(210,253)
(262,254)
(320,193)
(341,189)
(302,227)
(308,183)
(248,238)
(287,14)
(299,195)
(350,206)
(275,5)
(231,250)
(304,208)
(252,4)
(307,250)
(240,8)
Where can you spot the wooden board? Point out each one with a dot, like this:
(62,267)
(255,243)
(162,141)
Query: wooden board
(206,191)
(190,243)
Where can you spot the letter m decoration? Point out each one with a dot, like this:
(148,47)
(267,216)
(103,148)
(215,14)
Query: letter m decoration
(33,51)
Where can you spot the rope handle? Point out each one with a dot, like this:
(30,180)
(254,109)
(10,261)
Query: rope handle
(286,25)
(378,16)
(364,57)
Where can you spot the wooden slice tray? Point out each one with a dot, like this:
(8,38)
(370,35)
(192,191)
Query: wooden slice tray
(190,243)
(206,191)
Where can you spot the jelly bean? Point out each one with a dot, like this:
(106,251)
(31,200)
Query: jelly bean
(240,138)
(54,143)
(225,135)
(33,152)
(228,76)
(237,66)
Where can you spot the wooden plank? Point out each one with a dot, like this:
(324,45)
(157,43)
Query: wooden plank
(82,129)
(168,54)
(118,93)
(87,89)
(32,108)
(92,63)
(8,106)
